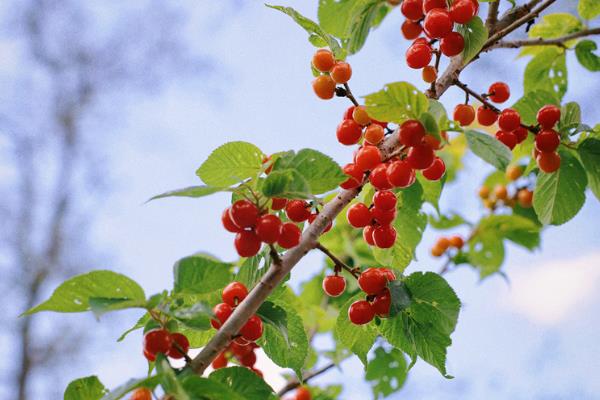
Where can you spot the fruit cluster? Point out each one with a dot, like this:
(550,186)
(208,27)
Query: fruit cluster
(245,354)
(160,340)
(355,122)
(443,243)
(547,140)
(372,281)
(521,195)
(332,71)
(377,220)
(232,295)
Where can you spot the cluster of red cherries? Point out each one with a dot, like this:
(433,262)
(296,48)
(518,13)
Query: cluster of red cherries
(376,220)
(437,20)
(160,340)
(245,354)
(547,139)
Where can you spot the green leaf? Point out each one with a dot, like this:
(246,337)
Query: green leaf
(448,221)
(397,102)
(531,102)
(210,389)
(119,392)
(231,163)
(313,29)
(287,183)
(387,372)
(570,117)
(191,191)
(438,111)
(586,56)
(400,297)
(432,190)
(74,294)
(547,71)
(243,382)
(588,9)
(552,26)
(197,316)
(475,34)
(430,125)
(89,388)
(489,149)
(589,153)
(515,228)
(357,338)
(370,16)
(275,316)
(138,325)
(559,196)
(199,274)
(169,382)
(424,328)
(486,252)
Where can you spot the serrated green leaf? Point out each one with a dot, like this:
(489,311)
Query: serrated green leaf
(243,382)
(199,274)
(589,153)
(210,389)
(386,372)
(585,55)
(547,71)
(286,183)
(231,163)
(400,297)
(570,116)
(432,190)
(168,380)
(486,252)
(275,316)
(475,34)
(438,111)
(515,228)
(588,9)
(530,103)
(196,316)
(559,196)
(489,149)
(89,388)
(357,338)
(321,173)
(74,294)
(396,102)
(430,125)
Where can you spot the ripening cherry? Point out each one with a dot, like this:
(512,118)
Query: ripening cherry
(548,116)
(384,236)
(464,114)
(141,394)
(513,172)
(334,285)
(220,361)
(437,251)
(297,210)
(383,217)
(509,120)
(244,213)
(436,170)
(268,228)
(443,243)
(452,44)
(179,347)
(302,393)
(401,174)
(484,192)
(222,312)
(385,200)
(253,329)
(500,192)
(228,224)
(418,55)
(359,215)
(248,360)
(525,198)
(360,116)
(355,177)
(437,23)
(314,216)
(509,139)
(323,60)
(234,293)
(411,29)
(361,312)
(247,243)
(290,236)
(463,11)
(521,134)
(157,341)
(456,241)
(547,141)
(420,157)
(411,133)
(382,302)
(324,87)
(412,9)
(429,74)
(368,235)
(499,92)
(429,5)
(379,178)
(548,162)
(341,72)
(367,158)
(486,116)
(348,132)
(374,134)
(372,280)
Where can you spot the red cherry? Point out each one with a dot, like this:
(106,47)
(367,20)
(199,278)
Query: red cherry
(268,228)
(348,132)
(234,293)
(429,5)
(184,344)
(521,134)
(383,217)
(452,44)
(418,55)
(222,312)
(368,235)
(334,285)
(464,114)
(389,274)
(302,393)
(247,244)
(547,141)
(499,92)
(141,394)
(548,116)
(548,162)
(412,9)
(411,133)
(157,341)
(367,158)
(385,200)
(324,87)
(278,204)
(486,116)
(437,23)
(361,312)
(220,361)
(248,360)
(508,138)
(382,302)
(314,216)
(509,120)
(420,157)
(436,170)
(244,213)
(297,210)
(359,215)
(149,356)
(228,224)
(401,174)
(355,177)
(290,236)
(240,350)
(379,178)
(372,280)
(411,29)
(463,11)
(349,112)
(253,329)
(341,72)
(384,236)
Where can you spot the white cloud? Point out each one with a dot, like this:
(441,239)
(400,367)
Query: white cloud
(549,292)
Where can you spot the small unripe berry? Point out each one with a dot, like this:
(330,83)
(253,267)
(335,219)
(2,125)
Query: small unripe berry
(341,72)
(513,172)
(374,134)
(525,198)
(429,74)
(360,116)
(500,192)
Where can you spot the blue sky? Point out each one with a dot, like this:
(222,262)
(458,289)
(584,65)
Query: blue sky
(535,338)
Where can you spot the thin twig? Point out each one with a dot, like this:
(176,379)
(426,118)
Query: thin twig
(350,95)
(560,41)
(310,375)
(336,261)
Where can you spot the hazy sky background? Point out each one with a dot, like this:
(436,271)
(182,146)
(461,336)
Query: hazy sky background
(535,338)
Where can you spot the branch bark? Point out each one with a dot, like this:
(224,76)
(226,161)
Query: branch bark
(492,18)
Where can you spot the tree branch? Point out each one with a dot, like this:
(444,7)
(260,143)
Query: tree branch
(514,14)
(307,377)
(492,18)
(336,261)
(560,41)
